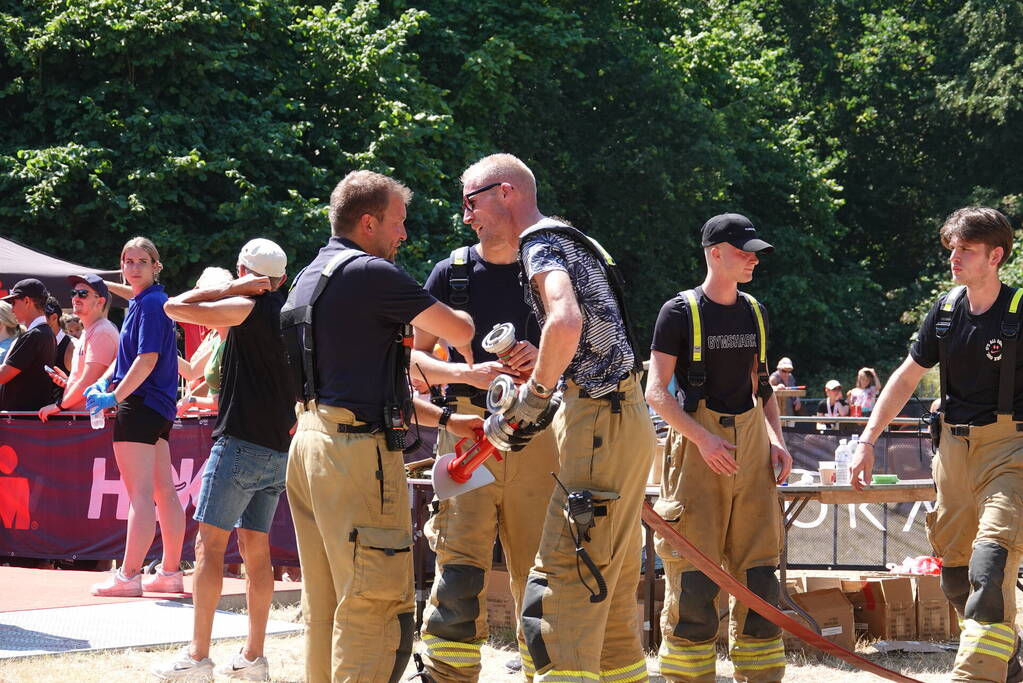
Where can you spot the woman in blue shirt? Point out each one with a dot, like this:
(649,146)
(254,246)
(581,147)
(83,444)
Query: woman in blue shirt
(143,385)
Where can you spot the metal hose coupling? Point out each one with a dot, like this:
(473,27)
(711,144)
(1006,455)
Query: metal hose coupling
(500,341)
(501,397)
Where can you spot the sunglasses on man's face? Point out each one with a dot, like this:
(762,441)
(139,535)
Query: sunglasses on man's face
(81,293)
(466,199)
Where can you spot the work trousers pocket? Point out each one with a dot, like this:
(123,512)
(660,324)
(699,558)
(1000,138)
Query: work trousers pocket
(381,563)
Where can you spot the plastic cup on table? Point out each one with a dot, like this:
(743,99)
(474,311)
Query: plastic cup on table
(827,472)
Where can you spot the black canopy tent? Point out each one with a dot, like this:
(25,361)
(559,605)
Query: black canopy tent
(18,262)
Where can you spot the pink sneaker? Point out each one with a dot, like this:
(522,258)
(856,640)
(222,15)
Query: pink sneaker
(119,586)
(164,582)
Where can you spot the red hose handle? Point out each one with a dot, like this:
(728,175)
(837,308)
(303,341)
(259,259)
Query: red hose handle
(466,460)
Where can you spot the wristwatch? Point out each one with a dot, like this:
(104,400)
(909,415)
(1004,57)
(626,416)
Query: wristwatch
(539,389)
(445,415)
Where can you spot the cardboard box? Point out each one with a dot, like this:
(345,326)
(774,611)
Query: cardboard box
(500,603)
(932,615)
(885,605)
(818,582)
(832,612)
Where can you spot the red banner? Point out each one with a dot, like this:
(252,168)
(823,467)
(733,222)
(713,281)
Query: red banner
(61,496)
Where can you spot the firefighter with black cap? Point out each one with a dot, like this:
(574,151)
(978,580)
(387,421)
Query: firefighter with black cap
(972,334)
(723,455)
(484,281)
(345,325)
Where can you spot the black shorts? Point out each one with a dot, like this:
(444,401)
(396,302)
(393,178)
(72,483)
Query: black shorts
(138,423)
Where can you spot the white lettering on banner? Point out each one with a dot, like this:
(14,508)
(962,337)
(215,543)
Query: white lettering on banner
(186,486)
(822,515)
(911,517)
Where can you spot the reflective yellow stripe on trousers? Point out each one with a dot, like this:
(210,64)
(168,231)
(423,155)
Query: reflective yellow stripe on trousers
(528,669)
(758,656)
(996,640)
(459,655)
(688,661)
(626,674)
(562,676)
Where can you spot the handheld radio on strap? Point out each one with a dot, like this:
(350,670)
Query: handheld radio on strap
(696,374)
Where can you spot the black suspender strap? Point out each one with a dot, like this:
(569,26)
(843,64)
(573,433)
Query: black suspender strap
(942,325)
(458,278)
(1010,337)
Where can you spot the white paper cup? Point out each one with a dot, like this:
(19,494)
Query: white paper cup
(827,472)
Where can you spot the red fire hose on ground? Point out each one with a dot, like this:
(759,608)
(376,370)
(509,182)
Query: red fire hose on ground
(744,595)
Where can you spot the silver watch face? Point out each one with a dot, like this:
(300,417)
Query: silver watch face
(540,389)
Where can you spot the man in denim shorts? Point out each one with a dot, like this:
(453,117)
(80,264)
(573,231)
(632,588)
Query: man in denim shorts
(244,476)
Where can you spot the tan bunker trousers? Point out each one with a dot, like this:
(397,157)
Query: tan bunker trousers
(462,531)
(349,502)
(606,448)
(734,520)
(975,529)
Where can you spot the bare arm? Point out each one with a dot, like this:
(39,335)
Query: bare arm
(224,306)
(893,398)
(440,320)
(75,392)
(196,366)
(562,329)
(464,426)
(7,373)
(136,375)
(716,452)
(119,289)
(442,372)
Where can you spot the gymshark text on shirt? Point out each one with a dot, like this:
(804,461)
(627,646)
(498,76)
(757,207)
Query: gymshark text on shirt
(732,341)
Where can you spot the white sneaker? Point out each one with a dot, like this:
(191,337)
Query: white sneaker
(164,582)
(119,586)
(242,669)
(184,668)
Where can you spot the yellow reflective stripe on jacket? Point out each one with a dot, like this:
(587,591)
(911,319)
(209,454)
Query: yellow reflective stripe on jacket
(453,653)
(625,674)
(694,315)
(563,676)
(1014,302)
(755,305)
(996,640)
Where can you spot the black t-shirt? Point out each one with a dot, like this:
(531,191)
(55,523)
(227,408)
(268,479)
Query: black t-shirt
(974,345)
(355,320)
(729,348)
(495,296)
(32,388)
(256,404)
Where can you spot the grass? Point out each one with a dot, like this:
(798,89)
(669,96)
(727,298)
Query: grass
(286,655)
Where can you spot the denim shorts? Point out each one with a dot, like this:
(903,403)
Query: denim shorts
(241,485)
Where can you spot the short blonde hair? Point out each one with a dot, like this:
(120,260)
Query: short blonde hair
(214,276)
(146,245)
(504,168)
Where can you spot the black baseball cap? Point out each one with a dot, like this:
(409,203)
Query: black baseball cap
(94,281)
(735,229)
(28,287)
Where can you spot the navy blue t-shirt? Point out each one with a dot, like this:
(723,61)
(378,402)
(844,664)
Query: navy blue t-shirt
(147,329)
(355,320)
(495,296)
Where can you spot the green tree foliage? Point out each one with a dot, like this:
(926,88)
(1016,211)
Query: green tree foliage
(847,131)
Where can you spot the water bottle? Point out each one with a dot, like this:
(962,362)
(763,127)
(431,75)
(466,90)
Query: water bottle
(97,420)
(842,458)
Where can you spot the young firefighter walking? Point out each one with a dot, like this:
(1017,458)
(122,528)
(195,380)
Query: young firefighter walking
(723,449)
(574,630)
(972,333)
(484,281)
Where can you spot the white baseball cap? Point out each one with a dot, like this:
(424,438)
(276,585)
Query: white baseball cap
(785,364)
(264,257)
(833,384)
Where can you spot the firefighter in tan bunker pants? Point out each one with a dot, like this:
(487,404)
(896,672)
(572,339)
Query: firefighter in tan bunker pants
(972,333)
(576,628)
(723,451)
(484,281)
